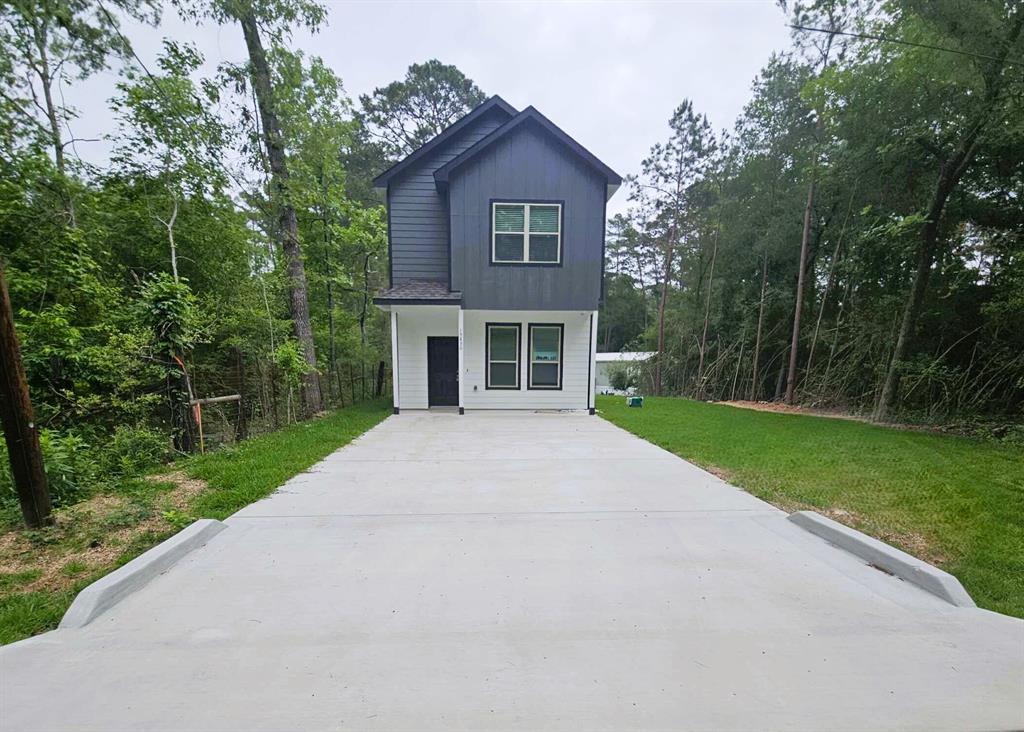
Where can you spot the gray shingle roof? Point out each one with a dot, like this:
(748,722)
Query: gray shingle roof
(418,291)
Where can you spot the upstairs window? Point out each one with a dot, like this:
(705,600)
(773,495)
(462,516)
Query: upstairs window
(526,233)
(545,356)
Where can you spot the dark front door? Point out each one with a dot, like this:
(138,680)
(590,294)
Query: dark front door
(443,372)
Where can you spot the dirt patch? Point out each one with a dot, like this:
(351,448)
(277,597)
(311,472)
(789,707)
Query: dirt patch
(185,488)
(91,535)
(782,408)
(721,473)
(911,542)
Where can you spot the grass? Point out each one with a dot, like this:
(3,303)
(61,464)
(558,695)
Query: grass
(42,571)
(238,476)
(953,501)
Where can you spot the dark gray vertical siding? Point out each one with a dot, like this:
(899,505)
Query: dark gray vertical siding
(418,215)
(527,165)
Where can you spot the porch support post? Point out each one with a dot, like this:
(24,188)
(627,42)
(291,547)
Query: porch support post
(592,371)
(462,368)
(394,359)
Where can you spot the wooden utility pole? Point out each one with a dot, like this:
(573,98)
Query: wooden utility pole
(19,424)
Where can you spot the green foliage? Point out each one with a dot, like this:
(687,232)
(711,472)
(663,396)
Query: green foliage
(405,114)
(14,580)
(957,501)
(74,568)
(80,463)
(240,476)
(43,43)
(622,377)
(133,450)
(875,127)
(623,316)
(290,361)
(72,466)
(169,309)
(26,614)
(178,519)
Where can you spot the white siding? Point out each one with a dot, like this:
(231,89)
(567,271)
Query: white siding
(415,324)
(575,358)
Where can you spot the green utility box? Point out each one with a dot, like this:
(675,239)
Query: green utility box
(634,401)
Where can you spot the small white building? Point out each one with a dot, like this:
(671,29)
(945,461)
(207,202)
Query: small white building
(607,363)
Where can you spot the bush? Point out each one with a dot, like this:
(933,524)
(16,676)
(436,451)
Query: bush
(134,449)
(75,466)
(621,377)
(72,466)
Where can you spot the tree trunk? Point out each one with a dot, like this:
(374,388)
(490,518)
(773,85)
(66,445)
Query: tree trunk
(739,362)
(755,382)
(950,173)
(170,236)
(312,401)
(781,379)
(39,37)
(40,33)
(242,425)
(658,366)
(179,398)
(835,336)
(332,356)
(798,308)
(18,422)
(362,323)
(828,287)
(707,314)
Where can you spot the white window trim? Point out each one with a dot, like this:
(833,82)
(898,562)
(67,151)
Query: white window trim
(525,233)
(558,362)
(487,366)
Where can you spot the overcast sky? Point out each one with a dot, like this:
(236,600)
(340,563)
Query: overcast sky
(608,73)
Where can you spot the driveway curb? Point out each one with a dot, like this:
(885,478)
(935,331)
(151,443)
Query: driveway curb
(883,556)
(109,590)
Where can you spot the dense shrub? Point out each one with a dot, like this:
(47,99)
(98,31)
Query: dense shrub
(134,449)
(78,464)
(622,377)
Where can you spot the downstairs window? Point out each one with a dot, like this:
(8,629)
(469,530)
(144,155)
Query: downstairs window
(545,356)
(503,341)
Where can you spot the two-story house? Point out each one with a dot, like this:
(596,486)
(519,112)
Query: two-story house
(496,239)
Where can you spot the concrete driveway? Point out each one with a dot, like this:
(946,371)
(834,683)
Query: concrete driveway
(518,571)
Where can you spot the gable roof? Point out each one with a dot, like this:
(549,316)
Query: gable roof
(495,103)
(529,116)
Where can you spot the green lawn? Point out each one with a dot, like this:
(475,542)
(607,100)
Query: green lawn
(956,502)
(239,476)
(42,571)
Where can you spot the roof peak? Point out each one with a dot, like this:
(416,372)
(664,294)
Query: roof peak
(493,103)
(529,115)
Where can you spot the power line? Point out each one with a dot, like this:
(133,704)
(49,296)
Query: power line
(885,39)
